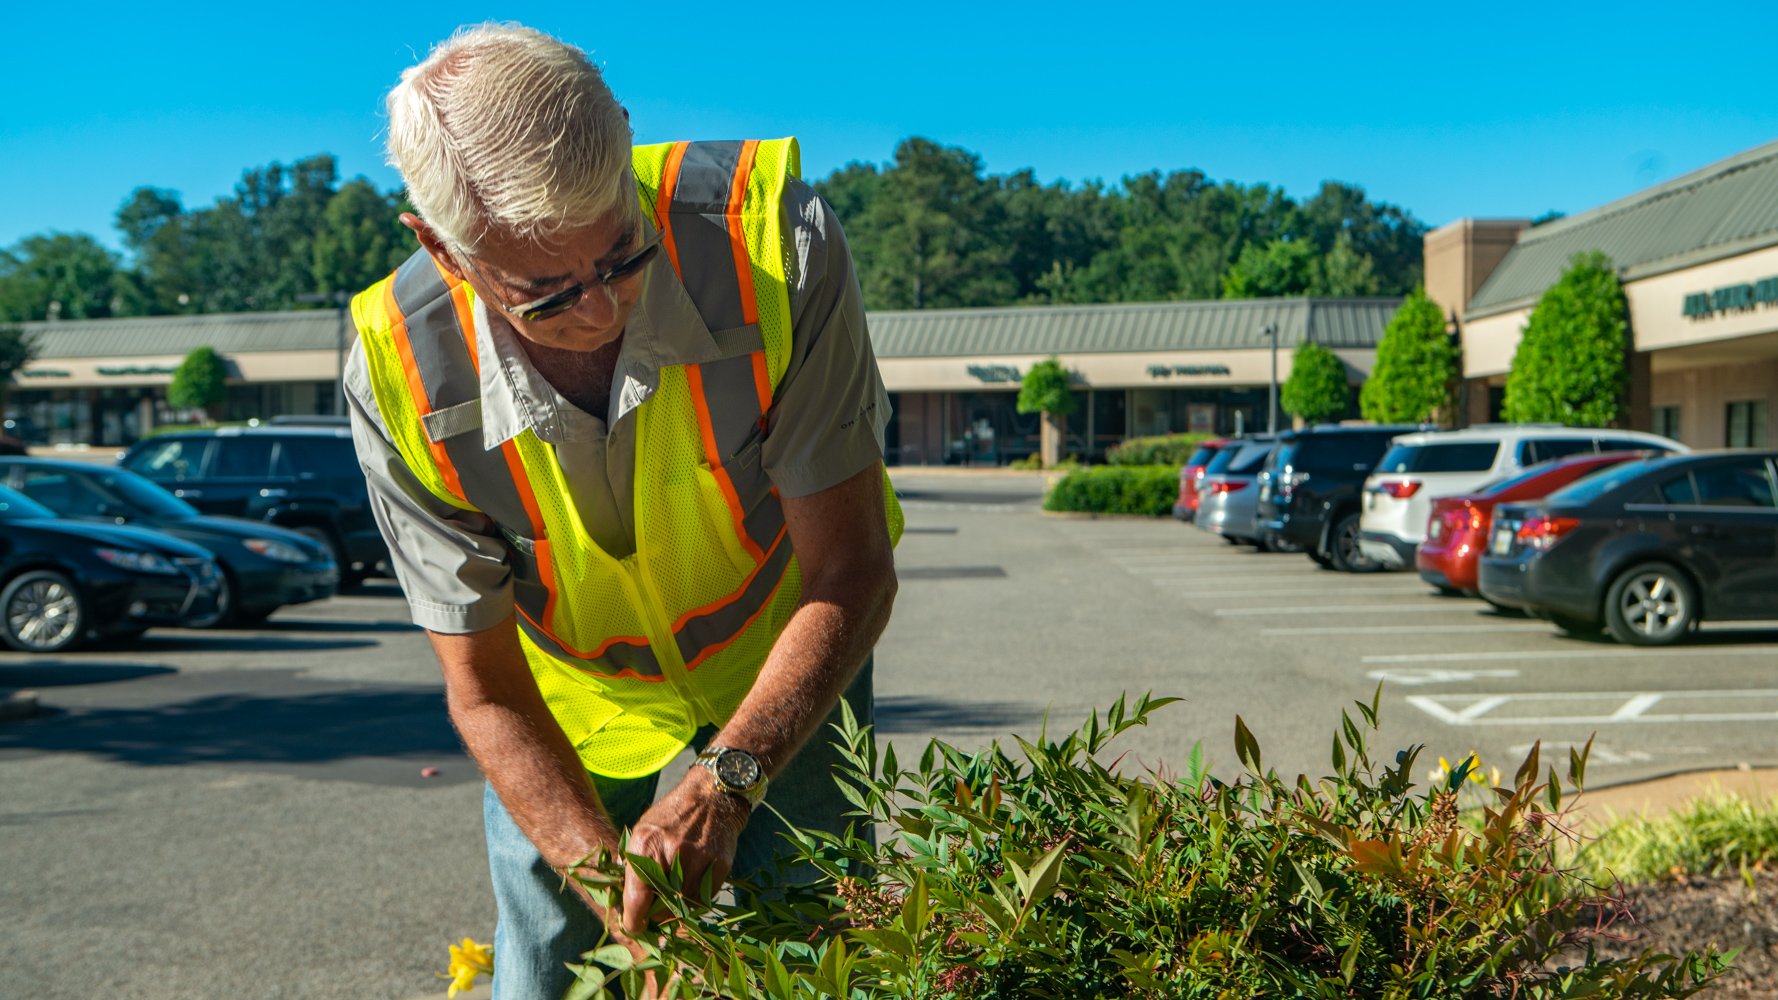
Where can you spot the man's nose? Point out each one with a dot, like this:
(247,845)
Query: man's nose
(598,304)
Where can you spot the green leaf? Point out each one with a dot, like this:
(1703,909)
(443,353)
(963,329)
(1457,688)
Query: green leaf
(1246,747)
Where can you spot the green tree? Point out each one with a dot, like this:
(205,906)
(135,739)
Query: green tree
(361,239)
(1569,366)
(1416,369)
(1281,267)
(200,382)
(1317,389)
(935,224)
(17,348)
(1344,272)
(1044,390)
(68,275)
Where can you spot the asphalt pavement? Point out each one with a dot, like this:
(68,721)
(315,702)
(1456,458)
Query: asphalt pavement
(285,812)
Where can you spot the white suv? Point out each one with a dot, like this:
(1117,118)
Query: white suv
(1420,466)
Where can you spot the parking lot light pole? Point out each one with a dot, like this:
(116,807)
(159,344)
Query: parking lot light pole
(1271,330)
(339,300)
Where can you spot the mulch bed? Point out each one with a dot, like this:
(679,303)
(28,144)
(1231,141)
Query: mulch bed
(1677,915)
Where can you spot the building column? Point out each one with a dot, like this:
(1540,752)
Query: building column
(1639,411)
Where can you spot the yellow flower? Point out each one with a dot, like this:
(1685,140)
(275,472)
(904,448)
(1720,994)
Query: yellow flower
(468,960)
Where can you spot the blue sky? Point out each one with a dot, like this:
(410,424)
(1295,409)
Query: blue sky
(1448,110)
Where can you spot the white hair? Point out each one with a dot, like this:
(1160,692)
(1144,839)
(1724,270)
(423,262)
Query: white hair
(505,128)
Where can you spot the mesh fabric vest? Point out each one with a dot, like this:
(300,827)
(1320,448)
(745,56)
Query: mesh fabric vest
(632,655)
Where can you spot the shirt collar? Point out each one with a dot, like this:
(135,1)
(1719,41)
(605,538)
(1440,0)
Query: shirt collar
(664,329)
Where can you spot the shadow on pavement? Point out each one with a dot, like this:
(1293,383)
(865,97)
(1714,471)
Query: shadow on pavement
(53,672)
(330,625)
(907,714)
(235,642)
(284,719)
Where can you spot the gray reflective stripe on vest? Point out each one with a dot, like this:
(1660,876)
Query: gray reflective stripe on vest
(700,232)
(617,657)
(733,405)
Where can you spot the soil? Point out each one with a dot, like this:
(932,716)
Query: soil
(1677,915)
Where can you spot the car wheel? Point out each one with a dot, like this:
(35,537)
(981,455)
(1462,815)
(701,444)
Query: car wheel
(1650,605)
(225,603)
(1343,550)
(1320,558)
(42,612)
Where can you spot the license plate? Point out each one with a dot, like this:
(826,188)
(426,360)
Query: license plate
(1503,540)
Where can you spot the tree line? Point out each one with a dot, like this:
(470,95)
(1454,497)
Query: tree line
(929,229)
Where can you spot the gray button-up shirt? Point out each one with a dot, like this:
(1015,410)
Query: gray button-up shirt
(825,424)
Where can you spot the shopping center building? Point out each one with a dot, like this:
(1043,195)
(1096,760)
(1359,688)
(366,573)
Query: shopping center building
(1698,257)
(953,375)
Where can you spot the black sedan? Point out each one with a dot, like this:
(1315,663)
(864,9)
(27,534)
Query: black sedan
(1645,549)
(63,582)
(264,567)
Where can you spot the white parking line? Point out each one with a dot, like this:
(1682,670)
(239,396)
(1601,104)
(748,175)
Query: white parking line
(1418,629)
(1571,654)
(1414,678)
(1341,609)
(1328,591)
(1634,708)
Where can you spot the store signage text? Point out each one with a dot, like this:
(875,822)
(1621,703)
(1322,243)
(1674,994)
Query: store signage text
(1163,371)
(1744,297)
(139,370)
(46,373)
(995,373)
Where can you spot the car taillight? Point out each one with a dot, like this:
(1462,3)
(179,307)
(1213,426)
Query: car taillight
(1401,489)
(1189,478)
(1540,531)
(1227,487)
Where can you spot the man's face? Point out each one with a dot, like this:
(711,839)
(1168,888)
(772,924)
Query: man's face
(515,273)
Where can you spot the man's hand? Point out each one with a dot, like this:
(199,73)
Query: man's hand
(696,823)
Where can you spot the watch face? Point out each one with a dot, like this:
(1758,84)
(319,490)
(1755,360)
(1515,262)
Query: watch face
(737,770)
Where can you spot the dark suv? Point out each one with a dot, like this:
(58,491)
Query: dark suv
(305,478)
(1312,497)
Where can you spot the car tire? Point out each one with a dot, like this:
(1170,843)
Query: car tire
(1342,547)
(1652,604)
(1320,558)
(42,611)
(1273,543)
(227,599)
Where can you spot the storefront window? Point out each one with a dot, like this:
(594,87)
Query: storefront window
(1666,421)
(1747,424)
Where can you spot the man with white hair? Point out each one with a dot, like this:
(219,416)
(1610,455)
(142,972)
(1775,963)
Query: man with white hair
(623,431)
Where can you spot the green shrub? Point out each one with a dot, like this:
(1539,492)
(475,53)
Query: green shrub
(1722,835)
(1168,449)
(1049,873)
(1117,489)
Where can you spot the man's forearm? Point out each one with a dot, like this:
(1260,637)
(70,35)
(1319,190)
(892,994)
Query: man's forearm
(510,732)
(815,658)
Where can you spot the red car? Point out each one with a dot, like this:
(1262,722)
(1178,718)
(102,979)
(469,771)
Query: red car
(1192,472)
(1457,531)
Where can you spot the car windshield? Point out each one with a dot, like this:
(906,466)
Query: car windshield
(1250,457)
(1452,456)
(1590,488)
(15,506)
(1203,455)
(144,496)
(1220,463)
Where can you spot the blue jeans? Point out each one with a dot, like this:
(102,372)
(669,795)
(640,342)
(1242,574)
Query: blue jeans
(544,925)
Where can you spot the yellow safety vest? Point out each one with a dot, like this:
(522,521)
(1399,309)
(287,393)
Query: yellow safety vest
(632,655)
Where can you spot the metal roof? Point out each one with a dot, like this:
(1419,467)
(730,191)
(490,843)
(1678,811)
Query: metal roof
(1725,209)
(1131,328)
(1035,330)
(156,336)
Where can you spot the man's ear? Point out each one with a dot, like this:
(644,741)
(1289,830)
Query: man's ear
(433,244)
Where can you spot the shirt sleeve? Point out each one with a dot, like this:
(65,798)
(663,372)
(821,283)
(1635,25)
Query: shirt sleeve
(830,410)
(451,563)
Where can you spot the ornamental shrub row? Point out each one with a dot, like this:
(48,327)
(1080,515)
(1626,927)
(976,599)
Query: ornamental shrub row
(1168,449)
(1059,870)
(1117,489)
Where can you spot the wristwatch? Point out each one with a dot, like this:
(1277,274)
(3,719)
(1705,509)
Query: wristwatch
(735,771)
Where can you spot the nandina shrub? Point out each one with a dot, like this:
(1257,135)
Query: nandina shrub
(1116,489)
(1051,873)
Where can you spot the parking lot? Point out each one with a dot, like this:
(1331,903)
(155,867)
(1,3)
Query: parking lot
(248,813)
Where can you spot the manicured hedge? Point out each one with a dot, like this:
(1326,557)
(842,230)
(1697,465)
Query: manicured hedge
(1117,489)
(1169,449)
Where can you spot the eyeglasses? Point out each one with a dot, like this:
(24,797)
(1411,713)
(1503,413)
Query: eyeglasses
(557,303)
